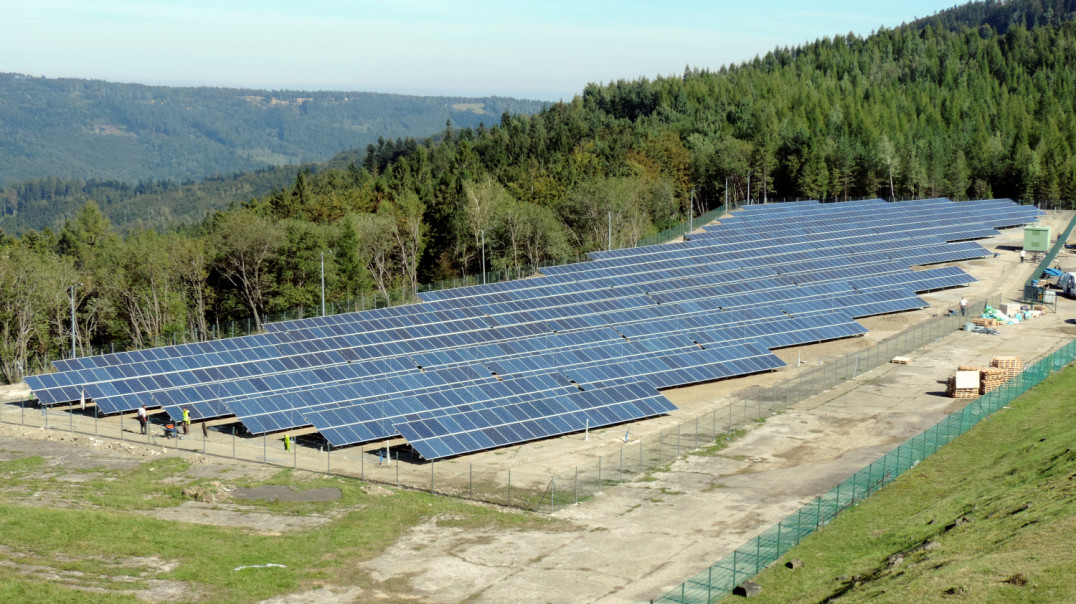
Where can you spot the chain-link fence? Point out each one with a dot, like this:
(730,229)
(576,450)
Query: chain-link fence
(395,296)
(489,480)
(707,430)
(748,560)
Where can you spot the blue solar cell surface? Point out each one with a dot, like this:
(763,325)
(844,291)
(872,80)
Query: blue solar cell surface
(662,316)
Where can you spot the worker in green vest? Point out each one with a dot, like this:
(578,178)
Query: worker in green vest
(186,421)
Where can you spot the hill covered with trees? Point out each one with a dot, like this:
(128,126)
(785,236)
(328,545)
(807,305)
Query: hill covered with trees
(944,106)
(91,129)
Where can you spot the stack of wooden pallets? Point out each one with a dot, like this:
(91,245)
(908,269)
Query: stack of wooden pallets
(984,322)
(1011,365)
(990,378)
(965,384)
(971,381)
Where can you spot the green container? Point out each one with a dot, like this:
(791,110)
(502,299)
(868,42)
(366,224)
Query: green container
(1036,238)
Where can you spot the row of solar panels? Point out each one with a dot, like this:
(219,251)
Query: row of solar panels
(269,390)
(317,338)
(211,377)
(177,378)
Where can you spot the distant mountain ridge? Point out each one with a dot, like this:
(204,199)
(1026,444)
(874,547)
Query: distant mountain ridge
(92,129)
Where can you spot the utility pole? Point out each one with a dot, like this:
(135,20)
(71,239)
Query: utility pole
(748,187)
(483,256)
(323,282)
(610,246)
(691,211)
(72,290)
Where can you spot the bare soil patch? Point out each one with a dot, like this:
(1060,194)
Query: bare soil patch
(239,516)
(274,492)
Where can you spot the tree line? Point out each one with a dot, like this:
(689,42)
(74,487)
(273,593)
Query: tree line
(922,110)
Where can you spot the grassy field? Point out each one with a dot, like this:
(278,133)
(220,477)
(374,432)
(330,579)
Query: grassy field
(997,508)
(89,536)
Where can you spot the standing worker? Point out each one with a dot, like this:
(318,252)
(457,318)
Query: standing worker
(1023,254)
(963,306)
(142,418)
(186,421)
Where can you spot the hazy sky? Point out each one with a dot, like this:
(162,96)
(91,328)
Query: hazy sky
(547,49)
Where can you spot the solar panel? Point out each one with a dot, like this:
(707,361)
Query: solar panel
(669,315)
(467,431)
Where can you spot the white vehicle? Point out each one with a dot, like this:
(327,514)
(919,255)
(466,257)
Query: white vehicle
(1067,284)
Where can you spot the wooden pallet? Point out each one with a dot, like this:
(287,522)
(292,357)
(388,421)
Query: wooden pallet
(901,360)
(965,393)
(991,378)
(1012,365)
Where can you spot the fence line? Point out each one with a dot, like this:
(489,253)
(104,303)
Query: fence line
(749,559)
(367,301)
(532,491)
(401,295)
(706,430)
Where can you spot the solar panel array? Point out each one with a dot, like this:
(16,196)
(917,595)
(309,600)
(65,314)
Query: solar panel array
(584,344)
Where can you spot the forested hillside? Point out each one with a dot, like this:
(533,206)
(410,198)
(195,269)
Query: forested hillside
(74,129)
(939,107)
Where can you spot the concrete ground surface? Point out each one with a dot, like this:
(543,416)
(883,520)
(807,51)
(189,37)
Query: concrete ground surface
(638,540)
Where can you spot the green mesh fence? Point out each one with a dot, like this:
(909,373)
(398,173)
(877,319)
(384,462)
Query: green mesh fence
(749,559)
(682,228)
(653,453)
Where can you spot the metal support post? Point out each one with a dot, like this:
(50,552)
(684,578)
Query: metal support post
(610,247)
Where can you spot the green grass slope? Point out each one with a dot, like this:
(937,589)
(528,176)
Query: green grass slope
(995,510)
(87,535)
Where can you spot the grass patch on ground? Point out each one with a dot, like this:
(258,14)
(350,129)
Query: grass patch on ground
(102,519)
(1000,503)
(722,443)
